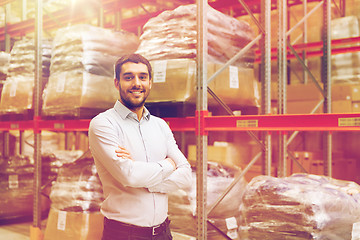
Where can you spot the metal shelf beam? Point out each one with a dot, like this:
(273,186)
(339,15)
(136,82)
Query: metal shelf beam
(282,122)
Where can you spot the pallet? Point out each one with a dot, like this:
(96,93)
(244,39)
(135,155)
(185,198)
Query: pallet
(25,115)
(77,113)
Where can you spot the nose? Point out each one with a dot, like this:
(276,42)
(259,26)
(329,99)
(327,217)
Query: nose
(137,80)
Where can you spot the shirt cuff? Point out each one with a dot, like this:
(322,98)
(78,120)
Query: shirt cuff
(168,168)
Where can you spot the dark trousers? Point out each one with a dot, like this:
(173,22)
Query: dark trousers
(114,230)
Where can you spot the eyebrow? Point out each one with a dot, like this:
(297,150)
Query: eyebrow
(131,73)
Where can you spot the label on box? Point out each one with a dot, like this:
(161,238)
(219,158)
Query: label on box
(231,225)
(13,181)
(355,234)
(234,77)
(13,89)
(61,224)
(159,69)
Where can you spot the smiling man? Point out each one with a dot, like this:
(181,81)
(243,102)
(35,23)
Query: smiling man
(137,159)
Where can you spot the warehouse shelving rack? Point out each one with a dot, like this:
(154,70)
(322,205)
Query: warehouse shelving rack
(201,124)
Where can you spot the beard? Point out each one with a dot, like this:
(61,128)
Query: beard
(130,103)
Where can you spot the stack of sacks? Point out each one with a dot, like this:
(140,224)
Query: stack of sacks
(81,71)
(169,42)
(77,188)
(17,93)
(4,65)
(225,216)
(75,197)
(345,67)
(300,207)
(17,187)
(172,34)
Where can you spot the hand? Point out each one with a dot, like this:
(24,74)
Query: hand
(121,152)
(172,162)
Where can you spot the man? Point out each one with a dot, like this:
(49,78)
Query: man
(137,158)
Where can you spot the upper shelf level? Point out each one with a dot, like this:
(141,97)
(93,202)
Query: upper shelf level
(278,123)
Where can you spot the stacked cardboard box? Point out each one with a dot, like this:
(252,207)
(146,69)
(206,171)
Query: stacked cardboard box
(342,168)
(303,98)
(175,81)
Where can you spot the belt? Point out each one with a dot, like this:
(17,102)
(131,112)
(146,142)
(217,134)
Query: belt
(138,230)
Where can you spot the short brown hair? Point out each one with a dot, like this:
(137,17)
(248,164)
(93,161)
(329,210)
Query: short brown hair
(135,58)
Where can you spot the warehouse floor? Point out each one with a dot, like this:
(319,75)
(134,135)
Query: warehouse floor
(17,229)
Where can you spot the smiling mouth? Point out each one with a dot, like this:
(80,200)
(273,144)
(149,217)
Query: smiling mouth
(137,92)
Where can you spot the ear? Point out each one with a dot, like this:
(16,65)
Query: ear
(116,83)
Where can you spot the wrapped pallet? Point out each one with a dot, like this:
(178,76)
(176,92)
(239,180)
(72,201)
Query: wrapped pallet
(172,34)
(81,71)
(17,93)
(224,217)
(345,67)
(301,206)
(4,65)
(17,187)
(75,197)
(169,42)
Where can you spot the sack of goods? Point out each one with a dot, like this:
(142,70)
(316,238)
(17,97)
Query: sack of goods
(223,219)
(82,70)
(4,65)
(17,187)
(75,197)
(345,67)
(17,92)
(301,206)
(172,34)
(169,42)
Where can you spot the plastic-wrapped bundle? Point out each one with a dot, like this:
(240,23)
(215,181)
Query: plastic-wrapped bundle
(17,187)
(172,34)
(82,63)
(182,205)
(345,67)
(22,59)
(4,64)
(17,93)
(301,206)
(77,188)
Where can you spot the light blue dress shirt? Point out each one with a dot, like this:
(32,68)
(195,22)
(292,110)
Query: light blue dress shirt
(135,190)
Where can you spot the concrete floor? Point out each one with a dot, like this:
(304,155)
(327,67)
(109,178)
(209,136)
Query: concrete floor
(18,229)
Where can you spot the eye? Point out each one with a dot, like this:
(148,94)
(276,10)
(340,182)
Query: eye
(128,77)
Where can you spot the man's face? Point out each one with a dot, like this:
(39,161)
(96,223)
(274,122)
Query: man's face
(134,85)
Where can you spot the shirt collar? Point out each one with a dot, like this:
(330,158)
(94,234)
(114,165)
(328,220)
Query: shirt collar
(124,112)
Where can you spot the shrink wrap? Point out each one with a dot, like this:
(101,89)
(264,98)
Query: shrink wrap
(225,216)
(301,206)
(17,92)
(81,71)
(172,34)
(345,67)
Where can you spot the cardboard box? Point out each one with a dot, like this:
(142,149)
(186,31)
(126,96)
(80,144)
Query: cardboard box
(345,92)
(175,81)
(256,170)
(355,107)
(306,107)
(303,107)
(341,106)
(63,225)
(222,152)
(304,92)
